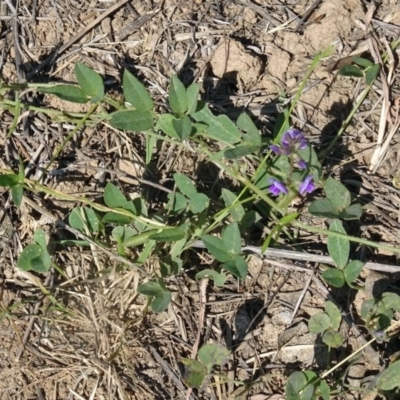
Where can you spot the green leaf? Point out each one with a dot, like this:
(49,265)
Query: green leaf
(185,185)
(183,127)
(246,124)
(84,216)
(177,248)
(150,145)
(9,180)
(323,208)
(334,314)
(219,278)
(138,239)
(115,218)
(177,96)
(249,219)
(334,277)
(192,94)
(389,378)
(198,203)
(281,124)
(371,73)
(391,301)
(176,202)
(240,151)
(150,289)
(166,124)
(237,267)
(216,247)
(337,193)
(198,128)
(362,62)
(40,238)
(324,390)
(194,373)
(310,156)
(130,206)
(113,197)
(147,252)
(353,212)
(213,354)
(232,239)
(176,263)
(170,234)
(123,233)
(332,338)
(76,220)
(136,93)
(21,172)
(287,219)
(367,307)
(90,82)
(33,257)
(224,130)
(132,120)
(352,271)
(17,192)
(319,323)
(338,248)
(237,211)
(161,302)
(297,387)
(41,264)
(71,93)
(203,113)
(384,320)
(173,267)
(351,70)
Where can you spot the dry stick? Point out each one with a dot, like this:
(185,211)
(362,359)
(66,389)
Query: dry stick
(30,325)
(374,49)
(19,68)
(135,25)
(381,149)
(202,311)
(297,255)
(75,38)
(303,293)
(168,370)
(34,10)
(307,14)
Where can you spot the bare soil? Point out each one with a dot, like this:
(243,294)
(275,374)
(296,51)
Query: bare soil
(91,338)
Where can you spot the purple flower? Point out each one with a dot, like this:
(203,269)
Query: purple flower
(301,164)
(307,186)
(277,187)
(292,140)
(278,150)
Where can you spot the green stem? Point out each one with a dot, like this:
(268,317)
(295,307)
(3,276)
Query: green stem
(323,154)
(10,105)
(339,235)
(17,113)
